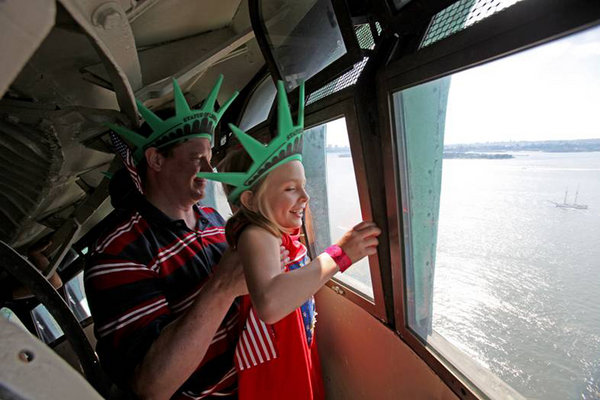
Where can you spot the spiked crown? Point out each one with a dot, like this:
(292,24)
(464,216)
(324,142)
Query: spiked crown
(285,147)
(186,123)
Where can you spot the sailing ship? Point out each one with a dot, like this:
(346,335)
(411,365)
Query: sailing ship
(574,204)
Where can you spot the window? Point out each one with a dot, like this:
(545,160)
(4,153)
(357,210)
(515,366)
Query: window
(46,326)
(259,105)
(215,197)
(304,37)
(334,201)
(76,298)
(501,200)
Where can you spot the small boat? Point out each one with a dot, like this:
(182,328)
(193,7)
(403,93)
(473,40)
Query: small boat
(573,205)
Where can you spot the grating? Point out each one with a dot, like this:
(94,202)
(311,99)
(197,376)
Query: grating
(341,82)
(364,36)
(461,15)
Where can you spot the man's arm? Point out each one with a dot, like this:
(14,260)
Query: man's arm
(176,353)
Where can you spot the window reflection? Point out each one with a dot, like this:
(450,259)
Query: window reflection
(259,105)
(334,202)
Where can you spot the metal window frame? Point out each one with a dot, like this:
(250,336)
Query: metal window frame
(341,65)
(519,27)
(409,18)
(342,105)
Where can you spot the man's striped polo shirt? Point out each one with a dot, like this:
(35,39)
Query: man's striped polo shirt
(144,273)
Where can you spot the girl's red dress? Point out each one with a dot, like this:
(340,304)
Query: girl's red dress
(276,361)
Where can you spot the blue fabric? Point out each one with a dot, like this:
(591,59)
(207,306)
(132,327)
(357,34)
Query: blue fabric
(308,308)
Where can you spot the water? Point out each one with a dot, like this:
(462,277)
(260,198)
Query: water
(516,278)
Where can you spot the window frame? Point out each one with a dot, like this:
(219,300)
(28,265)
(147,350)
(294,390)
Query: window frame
(342,105)
(522,26)
(335,69)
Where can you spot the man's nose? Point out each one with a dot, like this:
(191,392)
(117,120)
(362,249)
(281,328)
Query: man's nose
(205,165)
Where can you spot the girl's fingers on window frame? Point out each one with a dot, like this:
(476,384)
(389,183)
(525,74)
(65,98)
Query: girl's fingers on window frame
(372,242)
(363,225)
(371,231)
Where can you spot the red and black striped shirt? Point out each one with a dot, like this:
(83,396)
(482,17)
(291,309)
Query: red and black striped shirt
(144,273)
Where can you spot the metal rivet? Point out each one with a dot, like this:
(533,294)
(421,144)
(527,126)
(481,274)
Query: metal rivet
(107,16)
(26,356)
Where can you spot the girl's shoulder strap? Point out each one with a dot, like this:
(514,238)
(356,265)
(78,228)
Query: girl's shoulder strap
(292,243)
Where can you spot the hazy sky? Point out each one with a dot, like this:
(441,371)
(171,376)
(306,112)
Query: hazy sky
(549,92)
(337,134)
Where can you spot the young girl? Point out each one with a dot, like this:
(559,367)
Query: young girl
(276,355)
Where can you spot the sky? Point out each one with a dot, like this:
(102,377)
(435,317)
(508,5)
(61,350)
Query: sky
(337,134)
(550,92)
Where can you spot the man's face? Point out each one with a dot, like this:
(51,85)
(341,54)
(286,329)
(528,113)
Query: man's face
(178,173)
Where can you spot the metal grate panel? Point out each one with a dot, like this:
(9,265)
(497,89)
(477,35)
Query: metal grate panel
(461,15)
(341,82)
(364,36)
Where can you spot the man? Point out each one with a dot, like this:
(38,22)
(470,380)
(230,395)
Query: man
(160,283)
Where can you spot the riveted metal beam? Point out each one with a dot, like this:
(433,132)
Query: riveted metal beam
(106,24)
(23,27)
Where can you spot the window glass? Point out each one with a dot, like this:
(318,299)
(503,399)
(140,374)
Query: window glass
(501,203)
(334,202)
(304,37)
(259,105)
(214,196)
(46,326)
(76,298)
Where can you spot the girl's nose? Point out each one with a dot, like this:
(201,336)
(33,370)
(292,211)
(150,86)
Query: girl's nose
(305,195)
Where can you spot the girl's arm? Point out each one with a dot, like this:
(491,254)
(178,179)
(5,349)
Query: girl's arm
(275,293)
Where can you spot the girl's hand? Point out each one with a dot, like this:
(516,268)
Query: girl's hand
(360,241)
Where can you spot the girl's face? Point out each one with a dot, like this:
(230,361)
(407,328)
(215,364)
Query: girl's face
(285,195)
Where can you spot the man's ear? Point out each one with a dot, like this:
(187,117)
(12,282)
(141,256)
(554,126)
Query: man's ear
(153,158)
(247,200)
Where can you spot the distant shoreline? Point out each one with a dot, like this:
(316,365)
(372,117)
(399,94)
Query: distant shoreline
(469,155)
(548,146)
(491,150)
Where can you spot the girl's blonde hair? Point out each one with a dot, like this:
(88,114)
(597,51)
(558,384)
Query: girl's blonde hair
(236,161)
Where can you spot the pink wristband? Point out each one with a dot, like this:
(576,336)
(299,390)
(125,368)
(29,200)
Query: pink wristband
(340,258)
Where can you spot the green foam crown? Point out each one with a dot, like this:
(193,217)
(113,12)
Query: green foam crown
(186,123)
(285,147)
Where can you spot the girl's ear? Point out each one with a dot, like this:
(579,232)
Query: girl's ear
(247,200)
(153,158)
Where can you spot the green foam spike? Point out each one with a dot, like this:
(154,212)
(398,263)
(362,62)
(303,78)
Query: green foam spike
(285,147)
(186,123)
